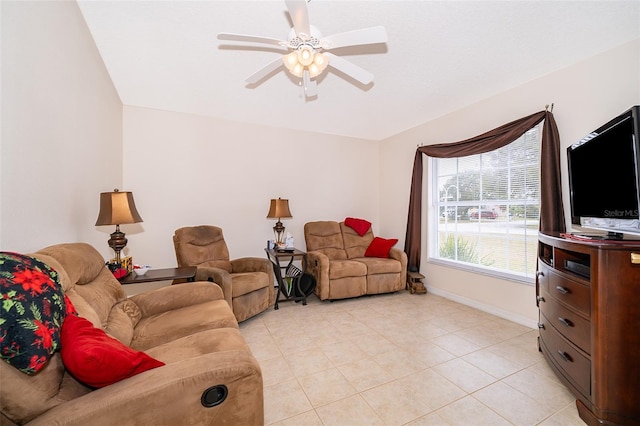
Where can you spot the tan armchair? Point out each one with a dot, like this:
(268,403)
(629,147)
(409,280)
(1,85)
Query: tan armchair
(247,283)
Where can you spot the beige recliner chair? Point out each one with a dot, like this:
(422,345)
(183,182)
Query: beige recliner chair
(247,283)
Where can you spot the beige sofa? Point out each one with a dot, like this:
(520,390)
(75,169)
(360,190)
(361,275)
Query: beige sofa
(336,258)
(190,327)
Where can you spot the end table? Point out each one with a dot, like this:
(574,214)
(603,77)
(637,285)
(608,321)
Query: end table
(167,274)
(289,282)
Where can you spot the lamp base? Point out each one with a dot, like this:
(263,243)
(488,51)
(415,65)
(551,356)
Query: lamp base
(117,242)
(278,232)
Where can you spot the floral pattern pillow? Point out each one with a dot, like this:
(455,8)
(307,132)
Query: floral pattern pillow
(32,311)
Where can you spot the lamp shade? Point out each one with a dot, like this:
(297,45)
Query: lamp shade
(279,208)
(117,208)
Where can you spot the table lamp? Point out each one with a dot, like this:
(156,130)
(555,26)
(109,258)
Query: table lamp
(279,209)
(117,208)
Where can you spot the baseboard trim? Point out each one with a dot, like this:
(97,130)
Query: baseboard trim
(519,319)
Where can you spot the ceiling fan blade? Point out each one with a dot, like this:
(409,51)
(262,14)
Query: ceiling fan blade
(251,38)
(349,68)
(264,71)
(370,35)
(310,86)
(299,16)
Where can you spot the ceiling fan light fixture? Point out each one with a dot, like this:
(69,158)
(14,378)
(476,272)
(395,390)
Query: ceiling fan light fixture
(292,64)
(320,63)
(305,43)
(305,58)
(305,55)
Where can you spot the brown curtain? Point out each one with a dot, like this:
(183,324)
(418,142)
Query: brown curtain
(551,209)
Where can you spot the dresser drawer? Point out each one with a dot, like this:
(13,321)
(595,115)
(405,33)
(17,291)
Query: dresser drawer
(567,322)
(567,291)
(575,366)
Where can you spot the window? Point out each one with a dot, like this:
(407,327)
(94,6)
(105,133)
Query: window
(486,209)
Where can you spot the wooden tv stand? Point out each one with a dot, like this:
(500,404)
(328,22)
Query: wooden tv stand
(588,295)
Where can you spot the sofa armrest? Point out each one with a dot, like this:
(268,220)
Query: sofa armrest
(171,395)
(400,256)
(168,298)
(317,264)
(218,276)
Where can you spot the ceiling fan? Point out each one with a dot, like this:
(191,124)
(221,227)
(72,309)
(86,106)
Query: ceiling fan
(308,55)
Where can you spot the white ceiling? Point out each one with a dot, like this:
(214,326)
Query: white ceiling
(440,56)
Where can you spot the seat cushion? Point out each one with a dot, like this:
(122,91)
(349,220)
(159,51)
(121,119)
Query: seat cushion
(167,326)
(377,265)
(346,268)
(204,342)
(247,282)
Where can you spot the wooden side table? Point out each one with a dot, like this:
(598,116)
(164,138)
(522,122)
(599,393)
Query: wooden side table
(288,283)
(167,274)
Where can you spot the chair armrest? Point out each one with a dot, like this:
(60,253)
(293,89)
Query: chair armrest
(218,276)
(171,394)
(251,264)
(168,298)
(317,264)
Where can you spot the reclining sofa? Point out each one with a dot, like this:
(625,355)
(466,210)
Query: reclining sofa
(336,258)
(209,375)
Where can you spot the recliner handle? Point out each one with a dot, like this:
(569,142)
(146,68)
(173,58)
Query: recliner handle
(215,395)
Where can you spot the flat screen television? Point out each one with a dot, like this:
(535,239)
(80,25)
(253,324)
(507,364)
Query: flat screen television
(604,177)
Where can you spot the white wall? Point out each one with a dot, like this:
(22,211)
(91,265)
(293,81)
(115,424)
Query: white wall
(585,95)
(189,170)
(61,128)
(65,138)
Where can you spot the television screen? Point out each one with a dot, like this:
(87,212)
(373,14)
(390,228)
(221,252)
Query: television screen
(603,176)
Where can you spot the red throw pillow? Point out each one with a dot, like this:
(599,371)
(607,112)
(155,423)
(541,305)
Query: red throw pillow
(361,226)
(96,359)
(380,247)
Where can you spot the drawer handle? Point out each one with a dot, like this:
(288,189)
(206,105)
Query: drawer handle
(541,326)
(562,289)
(540,274)
(565,322)
(635,258)
(565,356)
(540,299)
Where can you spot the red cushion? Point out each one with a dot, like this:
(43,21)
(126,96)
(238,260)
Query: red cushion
(96,359)
(361,226)
(380,247)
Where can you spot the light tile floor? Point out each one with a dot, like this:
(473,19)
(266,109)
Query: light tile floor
(402,359)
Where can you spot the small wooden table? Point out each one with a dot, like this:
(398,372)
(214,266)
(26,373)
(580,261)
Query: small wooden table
(167,274)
